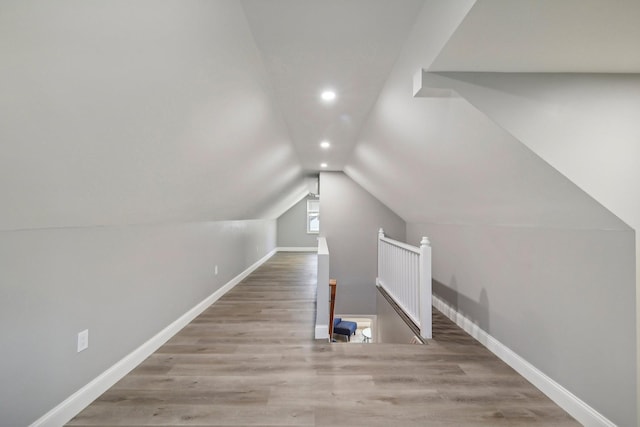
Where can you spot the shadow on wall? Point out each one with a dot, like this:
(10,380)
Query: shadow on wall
(476,311)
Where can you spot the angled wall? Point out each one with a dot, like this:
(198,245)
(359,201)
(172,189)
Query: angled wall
(559,298)
(567,86)
(292,227)
(582,124)
(115,113)
(521,250)
(350,218)
(140,148)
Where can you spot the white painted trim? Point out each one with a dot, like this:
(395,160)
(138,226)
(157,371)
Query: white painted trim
(296,249)
(322,332)
(323,294)
(583,413)
(79,400)
(406,246)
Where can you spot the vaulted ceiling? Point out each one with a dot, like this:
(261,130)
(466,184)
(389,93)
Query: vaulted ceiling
(444,160)
(520,146)
(590,36)
(347,46)
(119,113)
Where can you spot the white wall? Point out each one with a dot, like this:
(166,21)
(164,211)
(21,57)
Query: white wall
(350,219)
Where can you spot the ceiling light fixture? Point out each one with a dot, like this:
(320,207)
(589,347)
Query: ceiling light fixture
(325,144)
(323,165)
(328,95)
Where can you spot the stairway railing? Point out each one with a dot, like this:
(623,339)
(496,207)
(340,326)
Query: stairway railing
(404,272)
(332,304)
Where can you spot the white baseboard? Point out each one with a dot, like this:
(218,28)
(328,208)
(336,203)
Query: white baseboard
(79,400)
(578,409)
(296,249)
(322,332)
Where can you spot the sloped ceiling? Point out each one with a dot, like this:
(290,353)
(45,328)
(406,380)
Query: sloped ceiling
(441,159)
(349,46)
(563,79)
(143,112)
(181,111)
(584,125)
(586,36)
(189,111)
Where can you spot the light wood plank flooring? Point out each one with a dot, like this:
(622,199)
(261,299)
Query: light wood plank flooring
(250,360)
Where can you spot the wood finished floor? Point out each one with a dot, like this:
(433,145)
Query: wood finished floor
(250,360)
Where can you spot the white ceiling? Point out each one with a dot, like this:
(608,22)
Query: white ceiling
(149,112)
(188,111)
(346,45)
(351,46)
(597,36)
(443,160)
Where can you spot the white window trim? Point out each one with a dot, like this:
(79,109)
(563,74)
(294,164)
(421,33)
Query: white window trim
(312,212)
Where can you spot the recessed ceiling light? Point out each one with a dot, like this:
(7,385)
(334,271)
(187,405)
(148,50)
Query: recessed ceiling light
(325,144)
(323,165)
(328,95)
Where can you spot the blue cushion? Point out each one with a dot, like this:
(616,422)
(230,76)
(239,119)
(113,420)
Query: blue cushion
(345,327)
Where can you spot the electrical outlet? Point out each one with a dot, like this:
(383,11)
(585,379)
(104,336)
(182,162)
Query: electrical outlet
(216,270)
(83,340)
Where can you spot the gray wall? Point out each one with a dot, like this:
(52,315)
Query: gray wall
(518,163)
(132,135)
(560,298)
(124,284)
(350,218)
(168,119)
(391,329)
(292,227)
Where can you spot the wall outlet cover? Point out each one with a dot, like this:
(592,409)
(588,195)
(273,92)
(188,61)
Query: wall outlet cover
(83,340)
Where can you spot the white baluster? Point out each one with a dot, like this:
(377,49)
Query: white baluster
(405,279)
(407,268)
(405,288)
(380,259)
(395,271)
(401,274)
(384,262)
(416,282)
(425,288)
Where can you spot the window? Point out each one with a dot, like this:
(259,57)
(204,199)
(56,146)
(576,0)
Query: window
(313,216)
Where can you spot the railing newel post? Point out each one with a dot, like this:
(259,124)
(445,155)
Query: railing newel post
(380,257)
(404,272)
(425,288)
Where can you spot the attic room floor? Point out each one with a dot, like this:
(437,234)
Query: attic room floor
(250,359)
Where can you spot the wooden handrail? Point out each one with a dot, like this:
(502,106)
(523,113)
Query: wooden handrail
(332,304)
